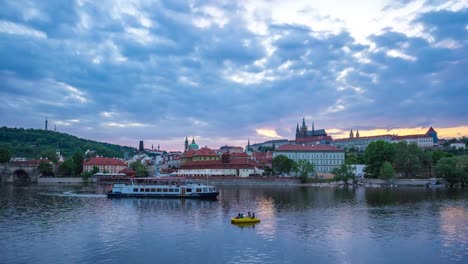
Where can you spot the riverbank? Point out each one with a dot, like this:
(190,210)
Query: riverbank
(49,180)
(262,181)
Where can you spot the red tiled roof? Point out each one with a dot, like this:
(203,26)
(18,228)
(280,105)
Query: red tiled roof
(239,155)
(368,137)
(308,148)
(218,164)
(189,153)
(104,161)
(206,152)
(313,139)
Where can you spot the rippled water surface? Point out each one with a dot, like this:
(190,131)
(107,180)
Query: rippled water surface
(78,224)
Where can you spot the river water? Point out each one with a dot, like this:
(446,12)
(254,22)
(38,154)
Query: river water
(78,224)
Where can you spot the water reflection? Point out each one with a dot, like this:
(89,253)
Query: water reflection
(298,224)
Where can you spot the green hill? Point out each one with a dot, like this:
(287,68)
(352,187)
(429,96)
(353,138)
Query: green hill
(30,143)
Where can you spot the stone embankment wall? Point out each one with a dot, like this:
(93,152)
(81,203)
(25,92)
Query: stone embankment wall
(64,180)
(249,180)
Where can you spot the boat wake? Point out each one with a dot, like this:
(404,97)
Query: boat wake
(72,194)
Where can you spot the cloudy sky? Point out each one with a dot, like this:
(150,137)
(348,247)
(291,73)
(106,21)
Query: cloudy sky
(226,71)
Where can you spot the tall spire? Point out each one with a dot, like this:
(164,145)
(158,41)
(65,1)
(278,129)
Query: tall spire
(186,143)
(357,133)
(193,140)
(312,128)
(351,134)
(303,122)
(46,123)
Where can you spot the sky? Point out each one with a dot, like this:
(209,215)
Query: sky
(228,71)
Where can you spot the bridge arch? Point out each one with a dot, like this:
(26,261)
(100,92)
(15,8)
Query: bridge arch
(21,175)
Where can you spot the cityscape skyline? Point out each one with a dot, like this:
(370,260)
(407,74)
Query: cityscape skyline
(158,71)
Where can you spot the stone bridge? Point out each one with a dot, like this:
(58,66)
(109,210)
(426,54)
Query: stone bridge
(16,173)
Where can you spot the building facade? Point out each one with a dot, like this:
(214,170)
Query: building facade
(237,167)
(324,157)
(110,165)
(359,143)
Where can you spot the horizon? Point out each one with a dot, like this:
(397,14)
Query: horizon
(159,71)
(344,134)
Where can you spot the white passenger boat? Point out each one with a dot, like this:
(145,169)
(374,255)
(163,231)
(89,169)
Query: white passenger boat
(163,188)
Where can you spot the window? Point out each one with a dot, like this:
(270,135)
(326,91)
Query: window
(198,189)
(142,190)
(189,189)
(147,190)
(135,189)
(153,189)
(158,190)
(164,189)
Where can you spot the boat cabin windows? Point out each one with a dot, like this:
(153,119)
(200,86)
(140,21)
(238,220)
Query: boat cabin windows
(147,189)
(189,189)
(153,189)
(198,190)
(164,190)
(158,190)
(142,189)
(135,189)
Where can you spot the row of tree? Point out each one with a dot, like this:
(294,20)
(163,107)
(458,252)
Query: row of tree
(282,165)
(384,160)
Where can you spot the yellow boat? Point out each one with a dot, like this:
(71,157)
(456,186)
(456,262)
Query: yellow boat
(244,220)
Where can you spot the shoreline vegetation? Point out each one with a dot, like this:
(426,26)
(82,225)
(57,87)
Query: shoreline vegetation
(277,181)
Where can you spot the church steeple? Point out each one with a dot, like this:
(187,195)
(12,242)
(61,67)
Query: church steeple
(297,130)
(186,143)
(313,129)
(357,133)
(303,123)
(351,134)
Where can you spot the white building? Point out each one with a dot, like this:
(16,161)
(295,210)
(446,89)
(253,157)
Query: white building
(324,157)
(458,145)
(423,140)
(359,143)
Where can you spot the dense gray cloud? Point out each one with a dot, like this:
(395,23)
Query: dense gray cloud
(160,70)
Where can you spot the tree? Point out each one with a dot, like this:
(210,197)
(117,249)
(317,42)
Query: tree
(5,155)
(66,168)
(140,170)
(437,155)
(45,168)
(427,162)
(282,164)
(343,173)
(50,155)
(95,170)
(407,158)
(376,154)
(453,169)
(304,168)
(387,171)
(77,163)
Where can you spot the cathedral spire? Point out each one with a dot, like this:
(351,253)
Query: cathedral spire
(357,133)
(312,128)
(351,134)
(303,122)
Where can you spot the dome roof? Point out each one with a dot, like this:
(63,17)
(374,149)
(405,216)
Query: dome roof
(193,146)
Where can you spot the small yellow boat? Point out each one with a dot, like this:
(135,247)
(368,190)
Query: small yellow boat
(244,220)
